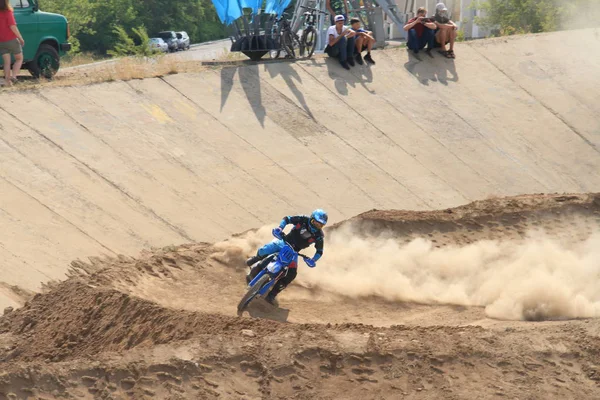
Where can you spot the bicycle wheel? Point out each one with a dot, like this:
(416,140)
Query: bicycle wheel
(288,44)
(302,44)
(274,54)
(309,41)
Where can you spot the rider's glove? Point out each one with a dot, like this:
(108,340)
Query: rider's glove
(277,232)
(310,262)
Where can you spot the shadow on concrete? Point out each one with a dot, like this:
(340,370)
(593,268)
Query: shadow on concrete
(227,75)
(358,75)
(250,81)
(289,75)
(431,68)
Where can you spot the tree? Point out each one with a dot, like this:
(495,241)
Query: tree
(93,22)
(127,46)
(530,16)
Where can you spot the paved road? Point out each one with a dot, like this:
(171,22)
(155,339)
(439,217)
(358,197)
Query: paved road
(198,52)
(206,51)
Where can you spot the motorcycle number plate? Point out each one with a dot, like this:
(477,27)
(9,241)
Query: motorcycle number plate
(274,267)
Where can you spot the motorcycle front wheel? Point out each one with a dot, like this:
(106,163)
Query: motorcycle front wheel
(251,293)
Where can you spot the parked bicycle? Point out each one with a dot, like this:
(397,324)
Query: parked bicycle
(287,38)
(290,40)
(309,40)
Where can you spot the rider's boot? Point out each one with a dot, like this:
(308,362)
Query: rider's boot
(272,300)
(253,260)
(273,293)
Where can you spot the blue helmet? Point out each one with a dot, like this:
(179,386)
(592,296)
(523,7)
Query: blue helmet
(318,219)
(286,255)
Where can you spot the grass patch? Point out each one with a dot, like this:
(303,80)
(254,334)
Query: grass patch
(122,69)
(226,55)
(74,60)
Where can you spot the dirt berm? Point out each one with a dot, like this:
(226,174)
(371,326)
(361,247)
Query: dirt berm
(164,325)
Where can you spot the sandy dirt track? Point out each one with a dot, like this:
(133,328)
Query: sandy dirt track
(163,325)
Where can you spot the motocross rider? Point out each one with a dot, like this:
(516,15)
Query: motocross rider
(306,231)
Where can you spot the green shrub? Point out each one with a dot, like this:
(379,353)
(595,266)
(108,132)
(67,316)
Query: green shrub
(509,17)
(125,45)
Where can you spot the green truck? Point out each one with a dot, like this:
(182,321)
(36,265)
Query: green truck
(46,38)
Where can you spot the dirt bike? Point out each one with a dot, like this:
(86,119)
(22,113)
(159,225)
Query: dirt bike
(267,278)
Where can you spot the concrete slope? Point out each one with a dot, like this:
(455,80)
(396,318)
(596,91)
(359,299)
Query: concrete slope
(118,167)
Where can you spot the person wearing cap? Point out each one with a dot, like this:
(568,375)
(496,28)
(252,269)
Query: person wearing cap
(341,42)
(420,32)
(337,7)
(446,30)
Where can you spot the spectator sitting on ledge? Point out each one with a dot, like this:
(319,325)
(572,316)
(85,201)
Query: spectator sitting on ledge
(340,41)
(446,30)
(420,32)
(364,41)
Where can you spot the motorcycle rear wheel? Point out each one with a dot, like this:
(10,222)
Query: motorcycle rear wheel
(251,293)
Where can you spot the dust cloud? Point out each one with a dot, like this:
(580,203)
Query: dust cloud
(534,279)
(234,251)
(579,14)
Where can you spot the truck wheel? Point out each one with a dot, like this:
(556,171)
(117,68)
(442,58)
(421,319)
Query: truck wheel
(46,62)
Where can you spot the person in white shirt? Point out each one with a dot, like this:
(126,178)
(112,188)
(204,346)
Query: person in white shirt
(341,42)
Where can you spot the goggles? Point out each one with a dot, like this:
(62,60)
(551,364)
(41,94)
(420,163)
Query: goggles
(317,224)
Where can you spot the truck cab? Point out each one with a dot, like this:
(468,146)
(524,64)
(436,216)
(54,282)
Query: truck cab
(46,38)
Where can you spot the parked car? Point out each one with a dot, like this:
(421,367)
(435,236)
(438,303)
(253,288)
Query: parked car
(183,40)
(171,38)
(46,38)
(159,45)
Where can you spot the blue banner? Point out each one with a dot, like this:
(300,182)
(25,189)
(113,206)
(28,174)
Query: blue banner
(277,6)
(228,10)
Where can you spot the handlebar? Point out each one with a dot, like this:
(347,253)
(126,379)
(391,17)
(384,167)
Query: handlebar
(281,237)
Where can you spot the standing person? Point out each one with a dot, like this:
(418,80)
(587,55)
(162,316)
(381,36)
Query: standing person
(446,30)
(340,42)
(420,31)
(364,41)
(337,7)
(11,42)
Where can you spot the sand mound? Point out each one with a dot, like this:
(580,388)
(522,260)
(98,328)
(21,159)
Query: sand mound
(79,320)
(163,325)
